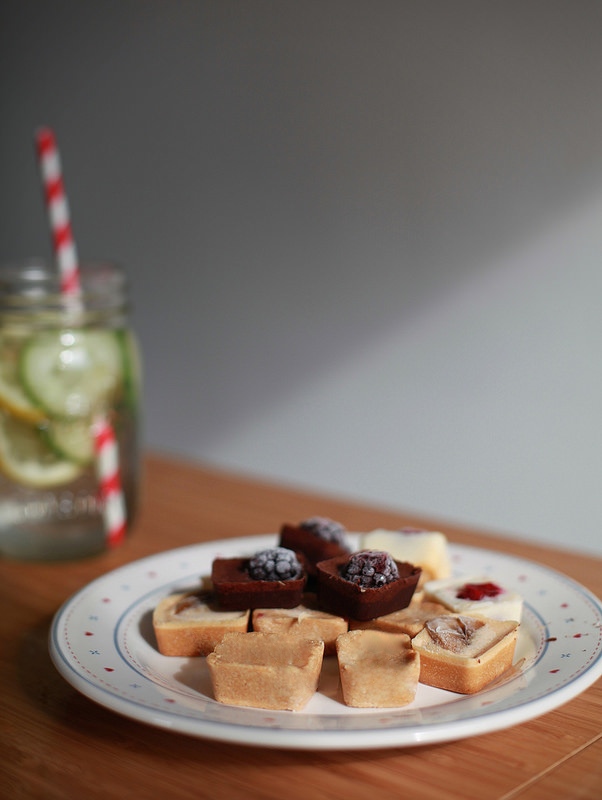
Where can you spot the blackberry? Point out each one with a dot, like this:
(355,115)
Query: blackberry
(370,569)
(325,528)
(274,564)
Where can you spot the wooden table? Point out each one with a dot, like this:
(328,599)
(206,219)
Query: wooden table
(56,743)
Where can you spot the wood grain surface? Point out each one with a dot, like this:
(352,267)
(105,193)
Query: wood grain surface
(55,743)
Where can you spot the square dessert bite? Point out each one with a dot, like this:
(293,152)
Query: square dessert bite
(272,578)
(306,620)
(317,538)
(191,624)
(377,669)
(475,595)
(365,584)
(409,620)
(266,670)
(465,654)
(426,549)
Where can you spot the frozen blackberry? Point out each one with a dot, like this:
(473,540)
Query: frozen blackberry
(370,569)
(325,528)
(274,564)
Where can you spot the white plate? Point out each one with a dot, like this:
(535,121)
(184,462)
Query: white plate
(102,643)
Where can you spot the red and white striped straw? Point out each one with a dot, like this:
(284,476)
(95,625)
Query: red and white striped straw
(109,479)
(105,443)
(58,212)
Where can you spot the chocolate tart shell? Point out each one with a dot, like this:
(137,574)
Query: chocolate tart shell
(235,590)
(311,546)
(346,599)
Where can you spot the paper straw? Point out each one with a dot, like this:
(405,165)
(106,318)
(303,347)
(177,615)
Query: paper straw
(58,212)
(107,467)
(65,251)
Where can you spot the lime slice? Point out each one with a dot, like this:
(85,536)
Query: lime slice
(71,439)
(12,396)
(26,459)
(71,373)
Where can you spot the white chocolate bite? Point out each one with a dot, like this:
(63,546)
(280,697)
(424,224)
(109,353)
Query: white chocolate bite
(426,549)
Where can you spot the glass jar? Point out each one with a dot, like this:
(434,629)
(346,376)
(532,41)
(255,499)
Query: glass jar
(64,364)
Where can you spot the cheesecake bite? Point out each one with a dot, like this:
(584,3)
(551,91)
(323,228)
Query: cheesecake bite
(266,670)
(377,669)
(306,620)
(192,624)
(410,620)
(475,595)
(464,654)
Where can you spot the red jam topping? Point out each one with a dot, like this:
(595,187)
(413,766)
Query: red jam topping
(477,591)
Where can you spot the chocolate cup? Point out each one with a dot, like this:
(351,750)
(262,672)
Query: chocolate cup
(311,547)
(346,599)
(236,590)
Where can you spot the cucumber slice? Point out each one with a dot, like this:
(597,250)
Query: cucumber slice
(72,373)
(71,439)
(25,458)
(132,367)
(12,396)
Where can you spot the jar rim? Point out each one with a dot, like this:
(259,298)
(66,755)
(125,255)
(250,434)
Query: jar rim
(34,283)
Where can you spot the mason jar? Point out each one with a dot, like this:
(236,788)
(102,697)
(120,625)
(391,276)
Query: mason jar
(65,363)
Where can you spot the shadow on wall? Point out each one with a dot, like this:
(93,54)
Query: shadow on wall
(288,185)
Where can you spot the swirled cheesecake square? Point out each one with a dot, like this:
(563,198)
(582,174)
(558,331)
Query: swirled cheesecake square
(306,620)
(192,623)
(464,654)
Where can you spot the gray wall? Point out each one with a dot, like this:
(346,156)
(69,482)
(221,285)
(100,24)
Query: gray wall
(364,237)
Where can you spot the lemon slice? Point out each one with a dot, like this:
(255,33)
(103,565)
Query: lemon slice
(26,459)
(12,396)
(71,373)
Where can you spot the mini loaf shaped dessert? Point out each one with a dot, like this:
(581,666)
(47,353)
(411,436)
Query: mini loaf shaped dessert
(365,585)
(266,670)
(475,595)
(464,654)
(409,620)
(306,620)
(192,624)
(426,549)
(272,578)
(317,539)
(377,669)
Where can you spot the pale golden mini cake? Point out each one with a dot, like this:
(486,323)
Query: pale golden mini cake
(426,549)
(410,620)
(304,620)
(475,595)
(465,654)
(191,624)
(266,670)
(377,669)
